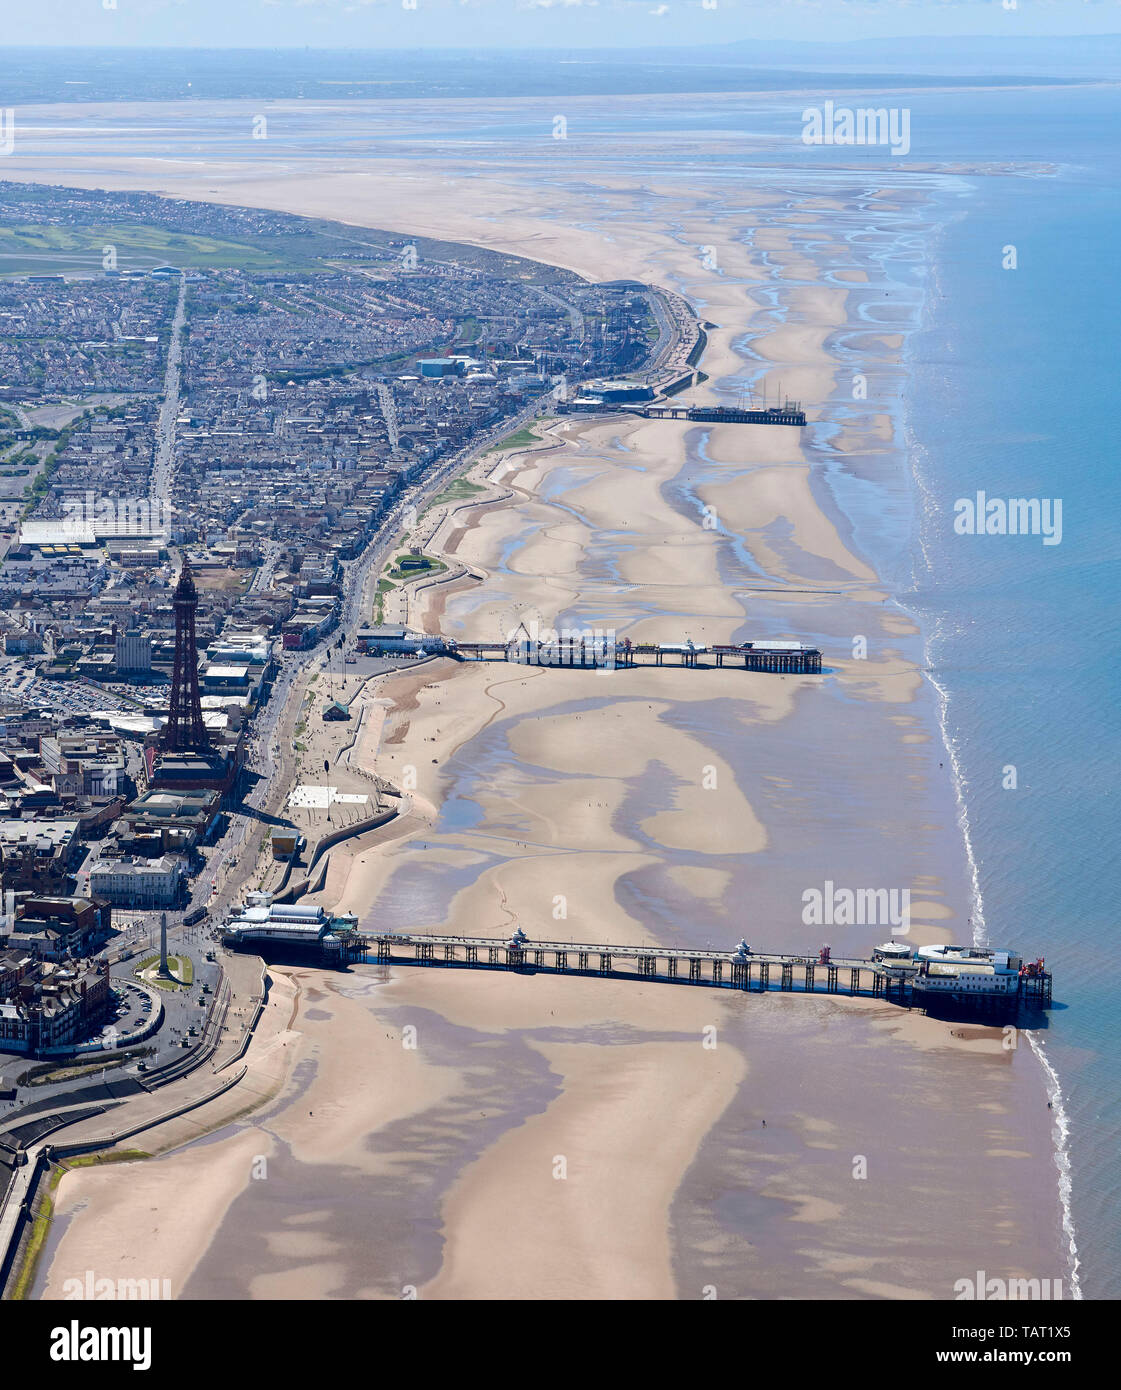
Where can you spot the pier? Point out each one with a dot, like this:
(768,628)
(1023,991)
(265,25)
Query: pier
(600,652)
(910,983)
(790,413)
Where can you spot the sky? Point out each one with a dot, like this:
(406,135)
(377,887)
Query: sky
(530,23)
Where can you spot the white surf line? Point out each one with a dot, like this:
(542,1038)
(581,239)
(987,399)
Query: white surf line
(977,919)
(1062,1155)
(1061,1129)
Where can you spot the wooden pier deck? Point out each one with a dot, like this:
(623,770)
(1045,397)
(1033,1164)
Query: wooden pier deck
(747,970)
(781,658)
(789,413)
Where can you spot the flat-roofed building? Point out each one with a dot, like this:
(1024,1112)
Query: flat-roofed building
(175,820)
(440,366)
(139,883)
(54,927)
(397,640)
(38,854)
(133,651)
(224,653)
(217,680)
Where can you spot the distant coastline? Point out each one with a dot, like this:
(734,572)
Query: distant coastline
(528,792)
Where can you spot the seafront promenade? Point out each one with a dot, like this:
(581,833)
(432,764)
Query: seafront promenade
(171,1106)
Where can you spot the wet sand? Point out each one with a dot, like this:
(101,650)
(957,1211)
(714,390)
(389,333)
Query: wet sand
(669,805)
(440,1174)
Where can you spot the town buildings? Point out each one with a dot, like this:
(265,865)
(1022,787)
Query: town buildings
(317,381)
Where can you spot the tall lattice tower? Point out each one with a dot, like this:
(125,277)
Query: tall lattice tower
(185,729)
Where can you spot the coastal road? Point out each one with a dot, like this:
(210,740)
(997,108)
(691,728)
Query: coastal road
(272,755)
(232,863)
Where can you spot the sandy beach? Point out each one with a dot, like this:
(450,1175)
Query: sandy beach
(654,804)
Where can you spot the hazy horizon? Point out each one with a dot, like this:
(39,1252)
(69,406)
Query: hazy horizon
(85,73)
(630,41)
(473,24)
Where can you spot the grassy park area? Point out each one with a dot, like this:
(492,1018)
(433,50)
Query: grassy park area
(520,439)
(419,566)
(52,250)
(458,491)
(181,967)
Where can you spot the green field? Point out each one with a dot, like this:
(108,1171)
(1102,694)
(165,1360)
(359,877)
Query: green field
(40,1229)
(111,1156)
(181,968)
(459,491)
(292,242)
(430,566)
(27,249)
(384,586)
(73,1073)
(520,440)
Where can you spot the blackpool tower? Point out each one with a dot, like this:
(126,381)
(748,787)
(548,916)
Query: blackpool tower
(185,730)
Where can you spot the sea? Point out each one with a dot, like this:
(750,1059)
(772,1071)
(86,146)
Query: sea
(1013,335)
(1010,391)
(1012,341)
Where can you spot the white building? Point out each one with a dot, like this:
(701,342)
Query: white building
(133,882)
(967,970)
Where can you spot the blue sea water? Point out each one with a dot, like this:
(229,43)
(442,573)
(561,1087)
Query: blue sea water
(1012,390)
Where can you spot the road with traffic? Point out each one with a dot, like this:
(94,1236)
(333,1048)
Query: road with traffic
(269,751)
